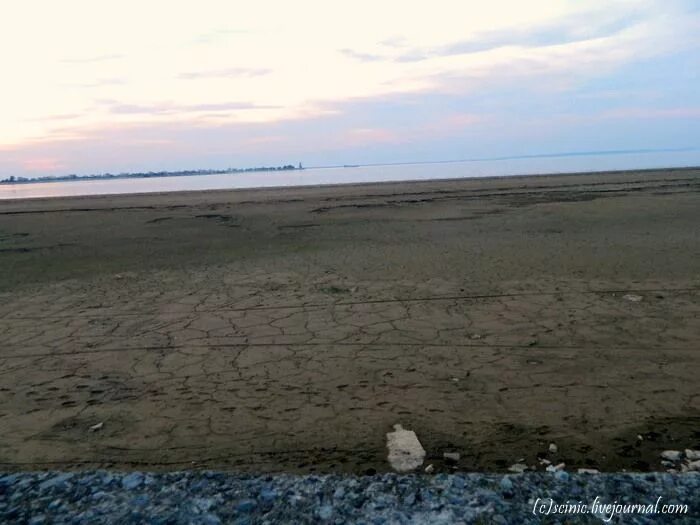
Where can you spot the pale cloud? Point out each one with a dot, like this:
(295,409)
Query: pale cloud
(231,72)
(138,64)
(93,59)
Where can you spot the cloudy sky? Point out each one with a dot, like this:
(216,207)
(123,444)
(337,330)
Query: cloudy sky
(95,86)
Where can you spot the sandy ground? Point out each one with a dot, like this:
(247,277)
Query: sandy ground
(289,329)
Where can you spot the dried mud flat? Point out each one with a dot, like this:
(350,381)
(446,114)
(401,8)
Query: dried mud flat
(290,329)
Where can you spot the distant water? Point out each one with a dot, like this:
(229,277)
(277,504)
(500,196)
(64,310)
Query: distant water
(376,173)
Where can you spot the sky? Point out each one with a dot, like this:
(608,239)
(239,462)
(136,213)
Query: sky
(96,86)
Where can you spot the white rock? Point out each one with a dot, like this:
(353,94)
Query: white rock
(518,468)
(95,428)
(671,455)
(405,451)
(553,448)
(545,462)
(692,455)
(632,297)
(694,466)
(429,469)
(451,456)
(588,471)
(555,468)
(639,437)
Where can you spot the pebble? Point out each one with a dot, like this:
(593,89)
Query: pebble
(556,468)
(506,484)
(246,505)
(132,480)
(325,512)
(267,495)
(671,455)
(518,468)
(553,448)
(561,475)
(58,481)
(692,455)
(451,456)
(211,519)
(588,471)
(632,297)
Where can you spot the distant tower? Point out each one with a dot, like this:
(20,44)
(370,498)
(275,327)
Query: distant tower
(300,166)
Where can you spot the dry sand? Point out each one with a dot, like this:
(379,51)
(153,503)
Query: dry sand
(290,329)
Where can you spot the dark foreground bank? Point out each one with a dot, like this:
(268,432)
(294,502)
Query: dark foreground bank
(212,498)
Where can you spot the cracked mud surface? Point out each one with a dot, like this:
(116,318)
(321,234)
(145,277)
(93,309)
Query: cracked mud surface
(288,330)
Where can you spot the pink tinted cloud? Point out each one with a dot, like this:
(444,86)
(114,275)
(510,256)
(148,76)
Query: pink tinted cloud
(42,165)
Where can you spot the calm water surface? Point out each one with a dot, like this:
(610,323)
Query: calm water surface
(314,176)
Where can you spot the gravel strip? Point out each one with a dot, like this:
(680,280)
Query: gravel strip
(198,497)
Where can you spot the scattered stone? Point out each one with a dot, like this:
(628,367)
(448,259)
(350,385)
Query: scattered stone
(429,469)
(405,451)
(506,484)
(246,505)
(267,495)
(209,498)
(561,475)
(451,457)
(632,297)
(59,481)
(553,448)
(475,336)
(588,471)
(325,512)
(518,468)
(671,455)
(555,468)
(692,455)
(95,428)
(639,437)
(132,480)
(694,466)
(544,461)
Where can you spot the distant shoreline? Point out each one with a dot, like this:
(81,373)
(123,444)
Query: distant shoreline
(146,175)
(177,193)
